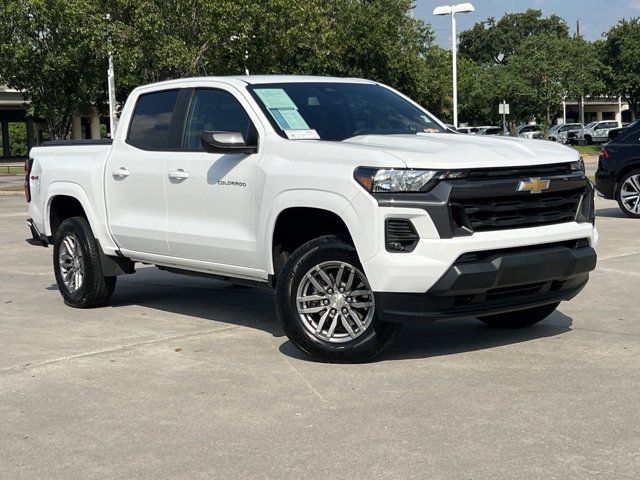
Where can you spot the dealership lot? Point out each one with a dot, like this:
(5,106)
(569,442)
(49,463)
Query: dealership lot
(192,378)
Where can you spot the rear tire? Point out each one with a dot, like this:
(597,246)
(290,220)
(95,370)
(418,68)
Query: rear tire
(77,267)
(326,306)
(628,194)
(521,318)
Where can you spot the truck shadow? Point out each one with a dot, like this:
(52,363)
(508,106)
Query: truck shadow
(254,308)
(467,335)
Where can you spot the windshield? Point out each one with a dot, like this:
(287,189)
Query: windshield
(591,125)
(337,111)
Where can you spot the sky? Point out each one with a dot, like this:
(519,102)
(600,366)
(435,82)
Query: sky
(596,16)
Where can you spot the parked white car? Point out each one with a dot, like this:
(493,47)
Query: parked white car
(357,205)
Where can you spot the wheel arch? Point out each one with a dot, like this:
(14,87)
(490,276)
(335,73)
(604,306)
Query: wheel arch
(333,210)
(74,201)
(631,166)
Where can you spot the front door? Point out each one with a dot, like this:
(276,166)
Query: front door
(211,196)
(135,176)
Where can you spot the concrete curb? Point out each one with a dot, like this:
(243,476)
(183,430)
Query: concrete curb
(10,193)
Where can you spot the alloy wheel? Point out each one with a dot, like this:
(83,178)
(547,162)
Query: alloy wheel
(630,194)
(71,263)
(335,302)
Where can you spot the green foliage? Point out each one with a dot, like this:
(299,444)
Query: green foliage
(52,50)
(18,139)
(494,41)
(619,51)
(529,61)
(56,50)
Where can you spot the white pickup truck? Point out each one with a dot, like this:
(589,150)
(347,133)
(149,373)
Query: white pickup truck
(360,208)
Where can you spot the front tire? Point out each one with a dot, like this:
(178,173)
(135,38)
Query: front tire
(521,318)
(77,267)
(628,194)
(326,306)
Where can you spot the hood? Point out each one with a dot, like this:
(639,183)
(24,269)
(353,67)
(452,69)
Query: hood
(453,151)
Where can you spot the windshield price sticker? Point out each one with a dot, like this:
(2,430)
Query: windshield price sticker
(283,110)
(308,134)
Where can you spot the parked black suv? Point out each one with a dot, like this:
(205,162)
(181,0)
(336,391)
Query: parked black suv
(618,174)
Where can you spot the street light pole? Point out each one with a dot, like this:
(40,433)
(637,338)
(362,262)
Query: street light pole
(454,55)
(452,10)
(111,85)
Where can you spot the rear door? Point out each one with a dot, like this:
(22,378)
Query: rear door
(135,176)
(211,196)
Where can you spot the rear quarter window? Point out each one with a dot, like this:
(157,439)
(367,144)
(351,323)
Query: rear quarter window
(151,120)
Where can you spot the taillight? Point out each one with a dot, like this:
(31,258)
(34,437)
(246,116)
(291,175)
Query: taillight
(605,153)
(27,172)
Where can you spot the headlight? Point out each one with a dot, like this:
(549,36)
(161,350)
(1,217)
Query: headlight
(400,180)
(577,166)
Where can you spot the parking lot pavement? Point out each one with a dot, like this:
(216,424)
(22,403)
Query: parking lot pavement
(192,378)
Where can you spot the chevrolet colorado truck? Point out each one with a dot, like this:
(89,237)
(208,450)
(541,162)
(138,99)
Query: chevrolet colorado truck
(360,208)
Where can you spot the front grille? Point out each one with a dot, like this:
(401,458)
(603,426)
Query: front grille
(516,211)
(514,172)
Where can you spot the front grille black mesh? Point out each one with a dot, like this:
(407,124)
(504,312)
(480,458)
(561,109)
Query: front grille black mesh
(516,211)
(515,172)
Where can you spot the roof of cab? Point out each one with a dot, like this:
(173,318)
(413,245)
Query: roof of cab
(255,80)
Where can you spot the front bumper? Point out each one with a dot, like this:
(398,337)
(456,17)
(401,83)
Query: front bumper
(498,281)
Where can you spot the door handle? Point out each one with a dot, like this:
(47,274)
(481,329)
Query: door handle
(178,175)
(120,173)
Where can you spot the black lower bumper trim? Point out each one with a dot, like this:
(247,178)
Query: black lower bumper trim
(497,284)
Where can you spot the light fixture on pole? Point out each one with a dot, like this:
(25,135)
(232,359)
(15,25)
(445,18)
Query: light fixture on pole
(452,10)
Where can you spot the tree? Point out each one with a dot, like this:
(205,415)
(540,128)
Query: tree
(53,52)
(619,51)
(545,69)
(495,41)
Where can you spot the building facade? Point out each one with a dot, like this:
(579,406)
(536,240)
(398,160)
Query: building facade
(19,131)
(597,109)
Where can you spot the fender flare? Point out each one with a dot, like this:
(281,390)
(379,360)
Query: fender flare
(321,200)
(74,190)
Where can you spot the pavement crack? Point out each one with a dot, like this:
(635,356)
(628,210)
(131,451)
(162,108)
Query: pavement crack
(30,366)
(304,379)
(613,270)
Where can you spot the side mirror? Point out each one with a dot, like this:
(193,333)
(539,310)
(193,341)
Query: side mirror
(226,142)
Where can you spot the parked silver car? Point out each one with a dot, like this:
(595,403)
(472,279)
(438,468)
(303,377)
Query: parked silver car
(596,132)
(468,130)
(560,133)
(489,130)
(529,131)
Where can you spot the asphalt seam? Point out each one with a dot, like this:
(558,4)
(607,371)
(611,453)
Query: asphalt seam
(613,270)
(30,366)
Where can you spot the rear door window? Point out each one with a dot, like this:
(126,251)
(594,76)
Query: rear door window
(151,120)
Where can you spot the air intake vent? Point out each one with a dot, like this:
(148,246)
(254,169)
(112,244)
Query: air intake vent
(400,235)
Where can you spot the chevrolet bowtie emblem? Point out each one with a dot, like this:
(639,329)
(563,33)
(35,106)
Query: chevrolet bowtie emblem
(534,185)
